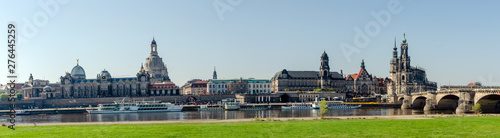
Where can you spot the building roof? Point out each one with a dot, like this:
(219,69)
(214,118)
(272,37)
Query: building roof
(356,76)
(112,80)
(236,80)
(306,74)
(77,71)
(200,82)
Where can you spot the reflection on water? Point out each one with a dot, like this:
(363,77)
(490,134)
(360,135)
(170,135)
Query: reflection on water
(195,115)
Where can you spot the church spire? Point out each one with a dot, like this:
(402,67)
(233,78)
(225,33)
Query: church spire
(395,52)
(215,74)
(395,48)
(142,68)
(363,64)
(404,37)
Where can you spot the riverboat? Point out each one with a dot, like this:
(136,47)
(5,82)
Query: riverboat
(231,104)
(135,107)
(298,106)
(206,108)
(336,105)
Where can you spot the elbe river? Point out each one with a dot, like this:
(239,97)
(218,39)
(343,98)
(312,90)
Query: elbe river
(200,115)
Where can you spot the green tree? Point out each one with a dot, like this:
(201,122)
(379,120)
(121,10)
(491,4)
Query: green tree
(4,96)
(477,108)
(323,107)
(19,96)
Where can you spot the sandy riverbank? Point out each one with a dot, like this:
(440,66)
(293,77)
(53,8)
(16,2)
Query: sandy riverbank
(246,120)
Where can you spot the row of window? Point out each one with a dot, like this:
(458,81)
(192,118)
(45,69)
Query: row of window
(309,84)
(164,86)
(249,85)
(252,91)
(217,86)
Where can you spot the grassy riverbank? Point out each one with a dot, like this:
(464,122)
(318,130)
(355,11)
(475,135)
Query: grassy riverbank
(434,127)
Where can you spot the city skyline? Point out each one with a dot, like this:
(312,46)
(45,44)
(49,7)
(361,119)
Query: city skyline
(254,40)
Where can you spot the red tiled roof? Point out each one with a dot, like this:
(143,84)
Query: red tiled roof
(356,76)
(470,84)
(353,76)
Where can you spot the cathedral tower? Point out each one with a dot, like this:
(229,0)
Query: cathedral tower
(324,70)
(405,66)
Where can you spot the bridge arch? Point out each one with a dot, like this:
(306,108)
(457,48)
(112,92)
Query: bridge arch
(490,103)
(401,99)
(447,102)
(419,102)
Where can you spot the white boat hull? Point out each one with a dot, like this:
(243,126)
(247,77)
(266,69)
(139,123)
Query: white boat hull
(296,108)
(345,107)
(170,109)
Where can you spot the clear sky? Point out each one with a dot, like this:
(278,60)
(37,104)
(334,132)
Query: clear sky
(455,41)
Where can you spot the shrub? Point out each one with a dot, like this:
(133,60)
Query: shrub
(19,96)
(4,96)
(477,108)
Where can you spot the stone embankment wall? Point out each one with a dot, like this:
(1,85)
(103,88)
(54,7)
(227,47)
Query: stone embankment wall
(85,102)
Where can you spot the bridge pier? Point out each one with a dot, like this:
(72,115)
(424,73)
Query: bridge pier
(406,102)
(461,108)
(463,102)
(428,105)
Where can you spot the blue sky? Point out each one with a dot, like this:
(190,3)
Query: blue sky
(455,41)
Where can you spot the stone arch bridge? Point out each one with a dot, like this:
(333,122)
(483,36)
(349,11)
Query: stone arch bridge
(460,100)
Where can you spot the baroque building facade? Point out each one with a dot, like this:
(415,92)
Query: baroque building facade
(198,87)
(309,80)
(75,84)
(239,86)
(406,79)
(40,89)
(151,80)
(364,84)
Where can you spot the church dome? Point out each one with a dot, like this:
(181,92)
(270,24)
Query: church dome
(77,71)
(47,88)
(105,73)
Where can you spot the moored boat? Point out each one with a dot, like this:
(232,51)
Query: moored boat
(135,107)
(336,105)
(298,106)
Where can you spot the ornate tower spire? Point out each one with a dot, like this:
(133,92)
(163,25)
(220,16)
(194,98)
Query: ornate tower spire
(404,37)
(215,74)
(363,64)
(404,47)
(324,70)
(142,68)
(154,47)
(395,52)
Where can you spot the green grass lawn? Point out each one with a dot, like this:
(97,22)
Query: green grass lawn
(438,127)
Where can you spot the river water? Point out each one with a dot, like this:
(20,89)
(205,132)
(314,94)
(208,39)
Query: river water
(197,115)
